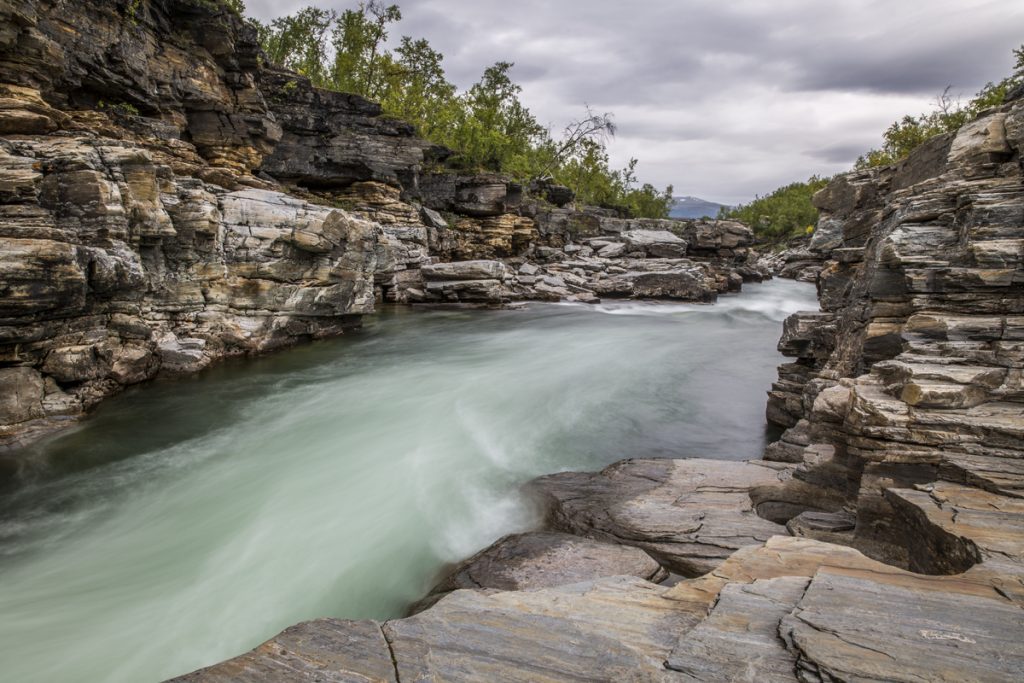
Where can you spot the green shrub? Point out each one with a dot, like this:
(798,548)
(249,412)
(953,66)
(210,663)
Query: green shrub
(785,213)
(948,115)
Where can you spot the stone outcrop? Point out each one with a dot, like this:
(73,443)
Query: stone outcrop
(911,372)
(545,559)
(689,514)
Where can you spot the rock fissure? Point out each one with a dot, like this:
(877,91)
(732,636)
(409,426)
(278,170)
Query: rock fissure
(391,652)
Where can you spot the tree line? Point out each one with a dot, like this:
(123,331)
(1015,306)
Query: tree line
(781,215)
(487,126)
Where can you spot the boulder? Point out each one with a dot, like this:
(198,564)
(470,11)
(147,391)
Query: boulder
(465,270)
(658,243)
(22,397)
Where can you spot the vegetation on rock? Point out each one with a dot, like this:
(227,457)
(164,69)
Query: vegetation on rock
(785,213)
(948,114)
(488,125)
(788,212)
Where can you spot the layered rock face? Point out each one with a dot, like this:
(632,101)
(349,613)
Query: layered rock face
(906,434)
(912,370)
(139,233)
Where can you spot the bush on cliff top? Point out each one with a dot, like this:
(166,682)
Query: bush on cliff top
(787,212)
(948,115)
(487,126)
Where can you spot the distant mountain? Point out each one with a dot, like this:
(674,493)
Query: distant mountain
(693,207)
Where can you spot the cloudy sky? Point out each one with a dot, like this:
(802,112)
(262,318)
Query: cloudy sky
(726,99)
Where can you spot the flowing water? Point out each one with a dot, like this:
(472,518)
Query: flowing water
(187,521)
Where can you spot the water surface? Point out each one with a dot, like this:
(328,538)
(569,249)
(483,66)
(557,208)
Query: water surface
(187,521)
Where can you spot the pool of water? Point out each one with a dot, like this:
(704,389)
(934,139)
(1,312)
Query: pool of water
(188,520)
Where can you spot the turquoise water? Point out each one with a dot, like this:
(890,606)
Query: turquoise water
(187,521)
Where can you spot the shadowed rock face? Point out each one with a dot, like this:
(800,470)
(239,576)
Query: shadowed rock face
(332,140)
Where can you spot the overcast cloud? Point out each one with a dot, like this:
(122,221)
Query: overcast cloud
(723,100)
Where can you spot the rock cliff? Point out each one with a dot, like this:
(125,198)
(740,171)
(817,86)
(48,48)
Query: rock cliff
(911,372)
(881,539)
(140,234)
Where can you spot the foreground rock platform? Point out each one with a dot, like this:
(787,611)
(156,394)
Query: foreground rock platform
(789,609)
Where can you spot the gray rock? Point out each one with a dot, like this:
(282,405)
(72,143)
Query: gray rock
(574,632)
(739,640)
(22,397)
(327,650)
(432,218)
(612,250)
(544,560)
(465,270)
(862,625)
(688,514)
(658,243)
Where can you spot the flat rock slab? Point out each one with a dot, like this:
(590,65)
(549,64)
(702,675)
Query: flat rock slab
(545,559)
(614,629)
(760,616)
(689,514)
(858,625)
(739,640)
(325,650)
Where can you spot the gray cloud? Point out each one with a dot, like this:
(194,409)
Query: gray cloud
(835,154)
(723,102)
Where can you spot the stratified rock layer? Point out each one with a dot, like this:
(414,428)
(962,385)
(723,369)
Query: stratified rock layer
(912,371)
(689,514)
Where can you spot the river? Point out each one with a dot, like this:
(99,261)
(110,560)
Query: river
(188,520)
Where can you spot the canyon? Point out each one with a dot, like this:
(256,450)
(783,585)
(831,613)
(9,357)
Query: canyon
(168,201)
